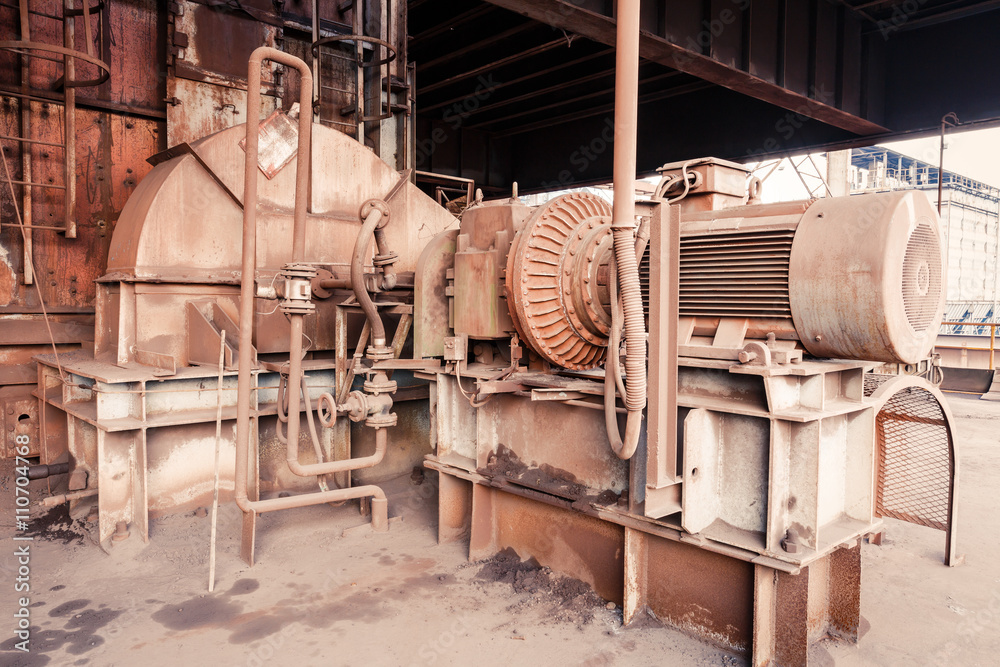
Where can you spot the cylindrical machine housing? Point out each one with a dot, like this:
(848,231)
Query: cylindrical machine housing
(849,277)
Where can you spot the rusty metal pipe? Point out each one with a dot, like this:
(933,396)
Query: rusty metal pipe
(335,283)
(388,270)
(43,471)
(358,279)
(303,167)
(623,223)
(330,467)
(337,495)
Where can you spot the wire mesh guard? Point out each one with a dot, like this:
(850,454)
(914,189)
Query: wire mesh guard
(915,466)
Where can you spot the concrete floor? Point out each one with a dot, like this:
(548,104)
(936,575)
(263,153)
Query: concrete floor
(315,597)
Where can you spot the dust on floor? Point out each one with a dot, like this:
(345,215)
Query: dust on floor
(315,597)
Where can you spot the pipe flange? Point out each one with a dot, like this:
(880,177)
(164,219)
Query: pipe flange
(297,307)
(299,271)
(376,386)
(386,259)
(380,353)
(380,420)
(318,290)
(379,204)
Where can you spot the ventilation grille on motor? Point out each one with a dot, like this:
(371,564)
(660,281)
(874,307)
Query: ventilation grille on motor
(736,274)
(922,278)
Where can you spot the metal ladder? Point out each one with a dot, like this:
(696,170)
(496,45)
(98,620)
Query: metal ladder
(335,103)
(68,83)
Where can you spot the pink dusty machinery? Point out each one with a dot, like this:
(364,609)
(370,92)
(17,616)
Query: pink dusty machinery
(717,472)
(765,449)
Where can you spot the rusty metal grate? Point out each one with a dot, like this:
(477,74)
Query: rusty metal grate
(915,466)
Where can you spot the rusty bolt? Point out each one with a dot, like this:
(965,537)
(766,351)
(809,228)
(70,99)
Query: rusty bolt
(819,338)
(746,356)
(121,531)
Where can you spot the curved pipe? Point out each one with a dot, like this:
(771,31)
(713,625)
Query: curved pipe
(331,467)
(303,170)
(623,225)
(357,277)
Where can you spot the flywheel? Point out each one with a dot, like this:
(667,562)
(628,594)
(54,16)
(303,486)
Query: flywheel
(554,276)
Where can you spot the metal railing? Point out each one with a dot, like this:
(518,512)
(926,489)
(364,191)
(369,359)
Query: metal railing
(993,337)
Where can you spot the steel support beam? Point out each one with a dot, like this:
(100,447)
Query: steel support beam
(565,15)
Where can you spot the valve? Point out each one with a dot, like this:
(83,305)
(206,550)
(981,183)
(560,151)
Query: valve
(298,289)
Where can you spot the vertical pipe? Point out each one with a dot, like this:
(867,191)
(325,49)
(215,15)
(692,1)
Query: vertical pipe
(949,118)
(249,263)
(993,340)
(626,110)
(248,268)
(303,167)
(623,224)
(26,149)
(941,168)
(294,391)
(359,54)
(69,118)
(316,55)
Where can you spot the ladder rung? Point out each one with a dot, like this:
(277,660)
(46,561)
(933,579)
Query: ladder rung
(32,141)
(326,121)
(39,185)
(22,52)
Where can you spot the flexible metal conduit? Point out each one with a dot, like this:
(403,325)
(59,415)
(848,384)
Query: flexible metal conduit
(303,170)
(623,226)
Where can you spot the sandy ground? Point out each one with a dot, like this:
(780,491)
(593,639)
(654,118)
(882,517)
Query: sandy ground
(315,597)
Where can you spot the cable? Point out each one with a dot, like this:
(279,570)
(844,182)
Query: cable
(470,398)
(668,183)
(31,265)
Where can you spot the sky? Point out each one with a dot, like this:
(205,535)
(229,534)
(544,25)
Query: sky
(972,153)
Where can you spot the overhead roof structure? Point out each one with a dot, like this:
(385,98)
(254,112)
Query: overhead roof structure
(519,89)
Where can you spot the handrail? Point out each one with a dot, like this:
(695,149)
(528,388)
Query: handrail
(993,338)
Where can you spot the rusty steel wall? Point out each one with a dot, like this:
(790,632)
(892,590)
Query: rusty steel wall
(177,72)
(118,124)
